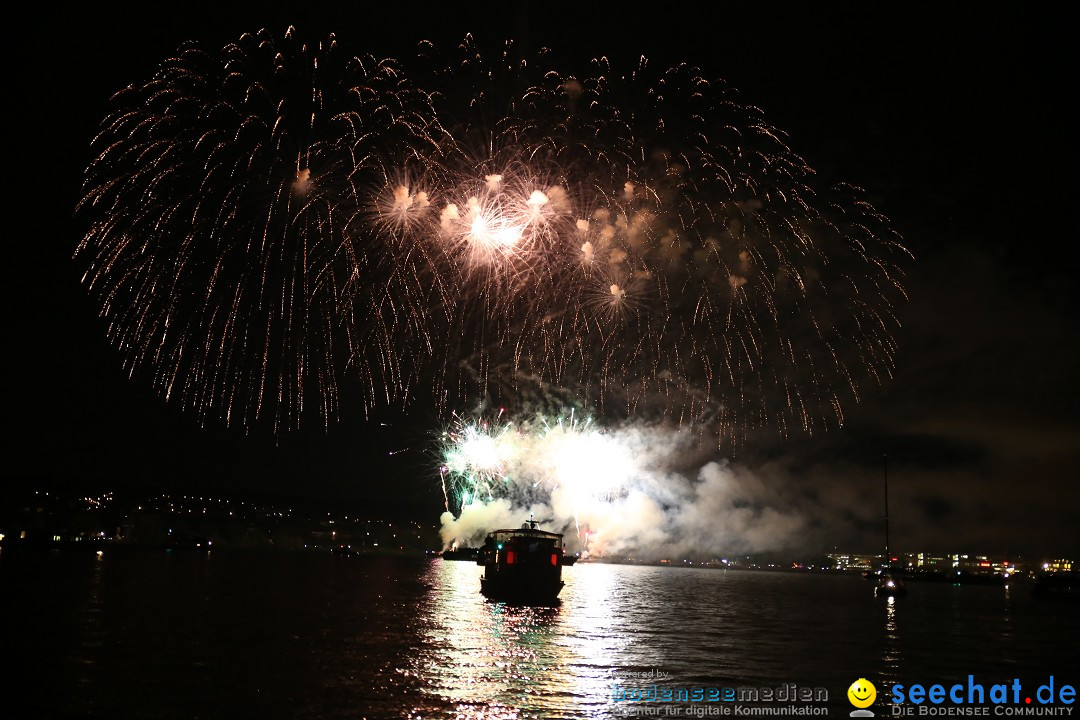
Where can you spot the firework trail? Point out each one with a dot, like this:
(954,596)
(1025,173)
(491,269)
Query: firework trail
(639,242)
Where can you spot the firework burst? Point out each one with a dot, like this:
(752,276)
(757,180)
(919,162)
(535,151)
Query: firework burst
(693,269)
(222,247)
(641,242)
(573,460)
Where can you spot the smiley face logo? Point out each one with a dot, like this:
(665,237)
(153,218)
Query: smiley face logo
(862,693)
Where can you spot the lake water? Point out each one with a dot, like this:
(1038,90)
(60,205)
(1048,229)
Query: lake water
(156,634)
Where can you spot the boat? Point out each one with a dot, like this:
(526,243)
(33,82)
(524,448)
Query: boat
(186,540)
(461,553)
(523,566)
(1063,585)
(889,584)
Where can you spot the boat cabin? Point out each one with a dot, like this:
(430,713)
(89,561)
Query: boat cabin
(523,565)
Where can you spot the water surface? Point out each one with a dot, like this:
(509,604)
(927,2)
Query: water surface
(156,634)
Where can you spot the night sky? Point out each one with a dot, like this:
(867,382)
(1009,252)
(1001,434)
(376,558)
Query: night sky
(956,125)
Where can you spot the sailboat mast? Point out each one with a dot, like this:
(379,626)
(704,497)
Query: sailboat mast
(885,467)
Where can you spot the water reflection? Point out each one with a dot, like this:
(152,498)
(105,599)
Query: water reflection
(482,659)
(1005,627)
(891,657)
(133,633)
(592,625)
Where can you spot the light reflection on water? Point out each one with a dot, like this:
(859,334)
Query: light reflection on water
(701,627)
(148,635)
(515,661)
(891,657)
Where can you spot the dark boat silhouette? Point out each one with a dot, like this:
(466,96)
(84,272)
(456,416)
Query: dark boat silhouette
(186,540)
(464,553)
(523,566)
(889,584)
(1062,585)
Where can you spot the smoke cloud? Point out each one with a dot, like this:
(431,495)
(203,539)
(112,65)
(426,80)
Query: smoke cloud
(635,492)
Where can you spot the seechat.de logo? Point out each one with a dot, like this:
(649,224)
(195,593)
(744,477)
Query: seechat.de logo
(862,694)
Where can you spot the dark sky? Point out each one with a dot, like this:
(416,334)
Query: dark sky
(955,123)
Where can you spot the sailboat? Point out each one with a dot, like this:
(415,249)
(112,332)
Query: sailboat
(889,584)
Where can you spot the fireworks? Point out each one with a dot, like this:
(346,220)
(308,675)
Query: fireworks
(270,217)
(222,247)
(565,468)
(636,490)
